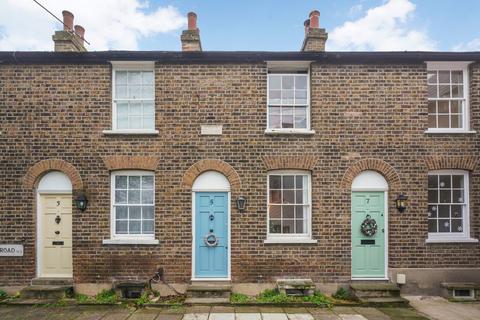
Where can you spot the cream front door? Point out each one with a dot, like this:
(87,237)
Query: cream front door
(55,255)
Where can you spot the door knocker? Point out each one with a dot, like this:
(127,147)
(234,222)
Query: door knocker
(58,219)
(369,226)
(211,240)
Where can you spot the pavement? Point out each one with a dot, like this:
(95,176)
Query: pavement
(437,308)
(18,312)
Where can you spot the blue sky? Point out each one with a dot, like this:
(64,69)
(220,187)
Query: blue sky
(377,25)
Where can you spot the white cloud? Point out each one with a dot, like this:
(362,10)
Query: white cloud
(109,24)
(382,28)
(473,45)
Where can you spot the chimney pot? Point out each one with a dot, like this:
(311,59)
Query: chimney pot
(307,25)
(192,21)
(315,19)
(80,31)
(67,20)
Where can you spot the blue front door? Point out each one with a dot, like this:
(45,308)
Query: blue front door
(211,235)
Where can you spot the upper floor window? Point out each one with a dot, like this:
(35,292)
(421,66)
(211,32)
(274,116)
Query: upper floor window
(288,101)
(133,97)
(289,204)
(448,205)
(447,96)
(133,204)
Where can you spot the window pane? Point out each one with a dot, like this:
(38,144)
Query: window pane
(120,77)
(432,107)
(432,91)
(134,182)
(274,82)
(134,78)
(443,107)
(457,196)
(275,212)
(122,122)
(456,106)
(445,196)
(288,212)
(147,77)
(134,92)
(287,96)
(121,226)
(457,76)
(148,122)
(432,181)
(274,97)
(301,82)
(299,182)
(432,196)
(443,225)
(299,196)
(457,91)
(135,212)
(432,77)
(135,226)
(300,212)
(122,108)
(121,92)
(135,122)
(147,182)
(300,226)
(288,182)
(287,82)
(432,211)
(444,76)
(457,225)
(301,97)
(288,196)
(147,92)
(456,211)
(275,182)
(275,196)
(300,117)
(147,226)
(457,181)
(443,121)
(120,196)
(134,196)
(121,212)
(432,121)
(456,121)
(120,182)
(288,226)
(275,226)
(443,211)
(147,196)
(147,212)
(445,181)
(287,118)
(135,109)
(444,91)
(432,225)
(274,117)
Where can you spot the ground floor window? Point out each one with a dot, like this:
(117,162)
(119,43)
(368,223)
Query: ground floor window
(133,208)
(289,204)
(448,207)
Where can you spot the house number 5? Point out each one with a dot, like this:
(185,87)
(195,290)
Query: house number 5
(58,203)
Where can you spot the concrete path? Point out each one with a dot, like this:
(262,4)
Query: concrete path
(204,313)
(438,308)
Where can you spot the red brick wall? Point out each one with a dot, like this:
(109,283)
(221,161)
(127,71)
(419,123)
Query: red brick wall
(358,112)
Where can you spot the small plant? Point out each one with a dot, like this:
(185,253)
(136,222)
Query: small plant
(240,298)
(106,297)
(342,294)
(273,296)
(142,300)
(83,298)
(3,295)
(318,299)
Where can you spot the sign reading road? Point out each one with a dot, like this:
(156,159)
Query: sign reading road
(11,250)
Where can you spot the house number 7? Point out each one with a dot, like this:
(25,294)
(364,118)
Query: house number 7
(367,200)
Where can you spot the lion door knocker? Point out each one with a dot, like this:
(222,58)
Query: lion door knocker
(369,226)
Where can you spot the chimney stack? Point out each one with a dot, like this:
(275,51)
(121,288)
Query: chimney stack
(191,37)
(70,39)
(315,37)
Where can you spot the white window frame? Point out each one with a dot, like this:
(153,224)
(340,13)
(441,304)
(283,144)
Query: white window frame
(291,238)
(129,238)
(439,237)
(288,72)
(129,66)
(453,66)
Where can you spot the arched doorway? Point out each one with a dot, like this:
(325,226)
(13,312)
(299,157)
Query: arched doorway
(54,226)
(369,224)
(211,227)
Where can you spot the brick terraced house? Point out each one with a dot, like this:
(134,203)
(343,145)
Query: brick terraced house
(244,167)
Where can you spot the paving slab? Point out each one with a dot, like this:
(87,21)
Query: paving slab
(300,316)
(248,316)
(247,309)
(403,314)
(371,313)
(198,309)
(323,314)
(295,310)
(271,310)
(118,314)
(438,308)
(222,309)
(195,316)
(344,310)
(274,316)
(163,316)
(352,317)
(222,316)
(144,314)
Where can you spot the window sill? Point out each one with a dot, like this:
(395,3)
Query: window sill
(289,131)
(131,132)
(451,240)
(290,240)
(130,241)
(430,131)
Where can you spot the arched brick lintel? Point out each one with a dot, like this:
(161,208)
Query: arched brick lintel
(378,165)
(468,163)
(211,164)
(40,168)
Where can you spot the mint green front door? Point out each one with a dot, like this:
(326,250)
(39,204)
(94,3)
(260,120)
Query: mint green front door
(368,251)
